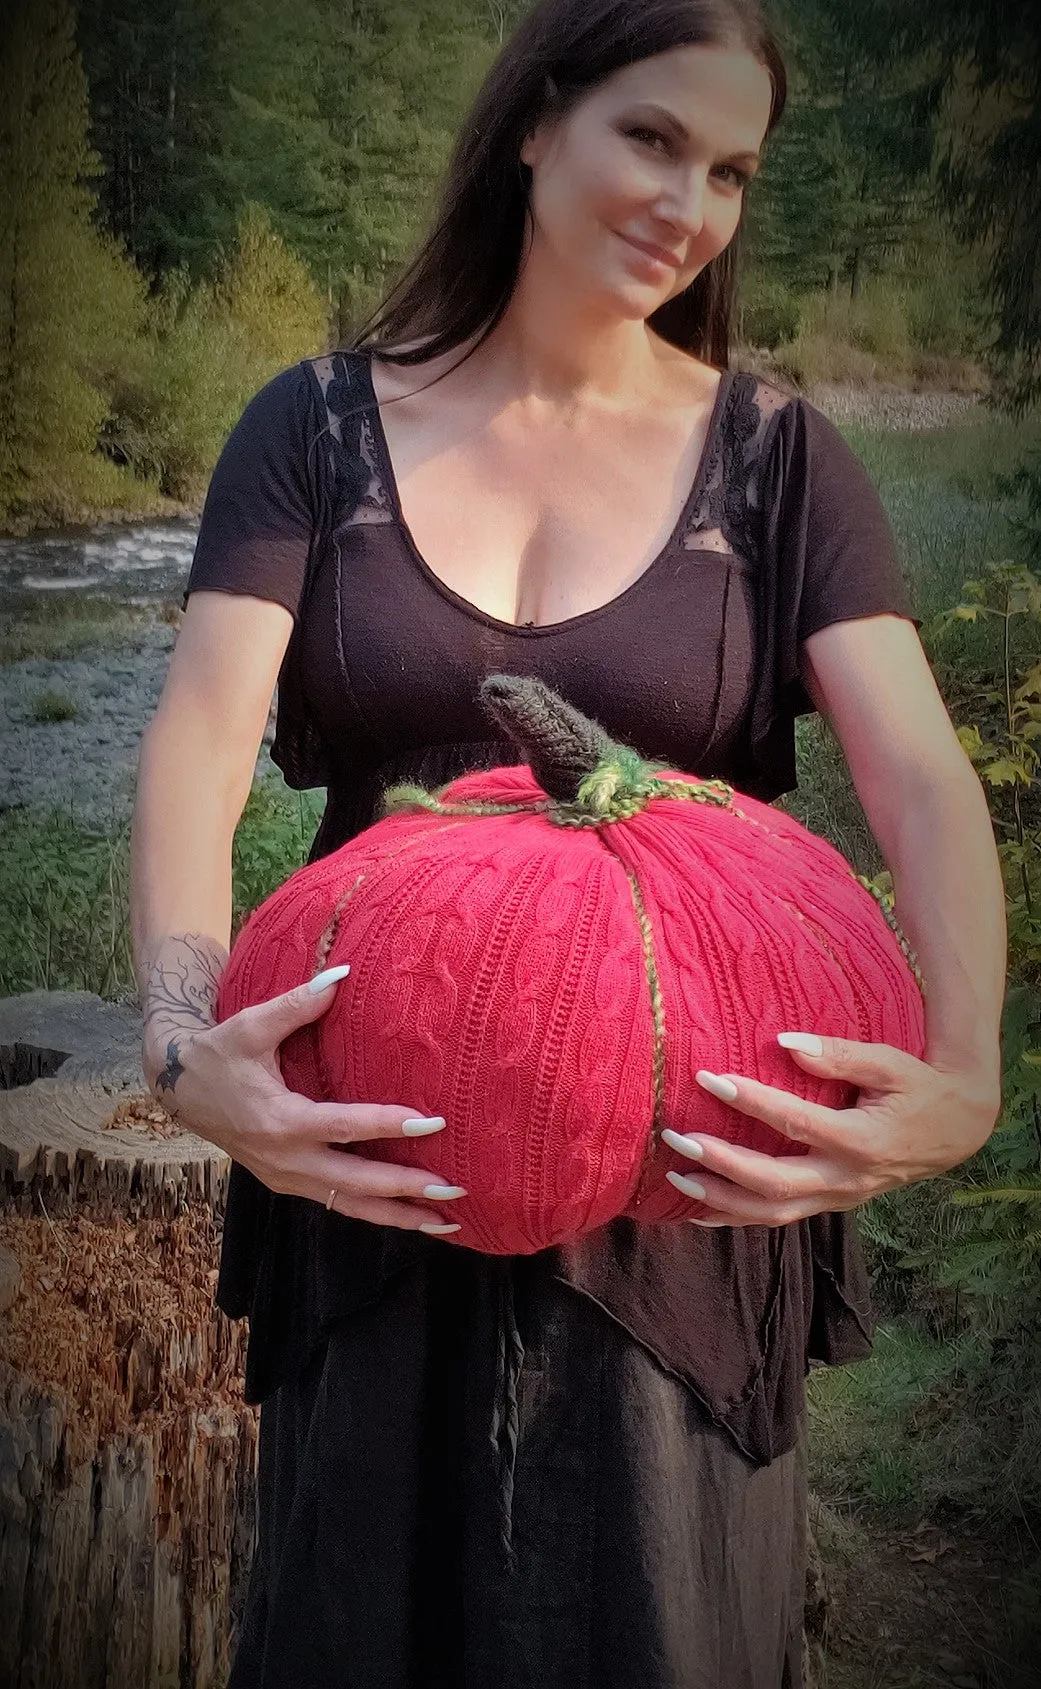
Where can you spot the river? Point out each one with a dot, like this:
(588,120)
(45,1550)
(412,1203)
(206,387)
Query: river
(131,563)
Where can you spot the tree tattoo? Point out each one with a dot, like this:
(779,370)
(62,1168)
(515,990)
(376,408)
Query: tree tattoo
(182,983)
(180,999)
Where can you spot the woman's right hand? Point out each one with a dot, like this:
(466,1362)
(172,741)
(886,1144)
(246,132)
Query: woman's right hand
(223,1082)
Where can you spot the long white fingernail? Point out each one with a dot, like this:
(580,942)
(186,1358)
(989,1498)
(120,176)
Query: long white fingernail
(422,1128)
(689,1187)
(438,1230)
(444,1193)
(331,976)
(724,1089)
(685,1146)
(807,1043)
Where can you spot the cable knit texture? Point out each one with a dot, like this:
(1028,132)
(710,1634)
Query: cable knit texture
(549,965)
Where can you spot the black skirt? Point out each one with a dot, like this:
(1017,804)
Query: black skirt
(482,1481)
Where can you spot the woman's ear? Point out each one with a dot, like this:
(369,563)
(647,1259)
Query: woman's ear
(531,148)
(534,142)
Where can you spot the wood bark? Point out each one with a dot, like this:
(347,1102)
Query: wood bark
(127,1454)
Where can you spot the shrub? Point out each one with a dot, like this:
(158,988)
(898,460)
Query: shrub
(208,348)
(768,312)
(268,292)
(53,707)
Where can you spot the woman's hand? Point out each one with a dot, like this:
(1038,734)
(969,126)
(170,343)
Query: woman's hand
(910,1121)
(223,1082)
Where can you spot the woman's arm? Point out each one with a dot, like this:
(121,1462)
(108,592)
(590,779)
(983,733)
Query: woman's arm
(926,808)
(912,1119)
(195,771)
(224,1082)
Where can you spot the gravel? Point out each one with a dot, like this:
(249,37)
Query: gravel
(85,766)
(892,407)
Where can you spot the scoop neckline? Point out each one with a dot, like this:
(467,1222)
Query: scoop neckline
(536,630)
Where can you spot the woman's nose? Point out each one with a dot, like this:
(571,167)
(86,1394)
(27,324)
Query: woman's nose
(683,203)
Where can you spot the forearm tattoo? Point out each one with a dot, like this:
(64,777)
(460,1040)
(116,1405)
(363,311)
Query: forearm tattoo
(180,998)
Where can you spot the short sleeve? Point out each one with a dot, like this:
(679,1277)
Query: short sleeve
(260,514)
(828,554)
(834,517)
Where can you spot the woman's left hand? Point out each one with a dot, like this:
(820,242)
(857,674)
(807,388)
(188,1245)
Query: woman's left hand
(910,1121)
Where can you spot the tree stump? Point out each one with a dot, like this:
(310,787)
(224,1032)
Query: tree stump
(127,1455)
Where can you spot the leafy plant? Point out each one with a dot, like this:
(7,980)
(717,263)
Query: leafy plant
(1005,746)
(993,1251)
(53,706)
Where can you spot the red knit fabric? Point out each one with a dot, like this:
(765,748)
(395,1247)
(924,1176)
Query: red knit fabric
(499,978)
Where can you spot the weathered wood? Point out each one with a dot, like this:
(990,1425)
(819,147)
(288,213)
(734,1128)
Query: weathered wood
(90,1139)
(127,1454)
(44,1032)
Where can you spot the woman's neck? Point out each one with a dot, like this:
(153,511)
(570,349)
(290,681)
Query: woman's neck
(558,349)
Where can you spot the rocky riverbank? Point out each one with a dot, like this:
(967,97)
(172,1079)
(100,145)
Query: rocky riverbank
(84,765)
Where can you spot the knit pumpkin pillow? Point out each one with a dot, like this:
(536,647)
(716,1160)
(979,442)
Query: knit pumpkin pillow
(546,955)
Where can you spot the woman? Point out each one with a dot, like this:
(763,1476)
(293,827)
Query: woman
(583,1467)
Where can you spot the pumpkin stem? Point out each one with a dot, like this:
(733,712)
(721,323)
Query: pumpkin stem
(561,745)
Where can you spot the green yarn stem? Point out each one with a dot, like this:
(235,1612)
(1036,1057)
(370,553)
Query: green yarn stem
(891,921)
(614,791)
(399,799)
(657,997)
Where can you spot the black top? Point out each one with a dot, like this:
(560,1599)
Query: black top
(695,663)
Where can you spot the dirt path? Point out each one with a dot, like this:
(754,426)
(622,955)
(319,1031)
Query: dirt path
(923,1607)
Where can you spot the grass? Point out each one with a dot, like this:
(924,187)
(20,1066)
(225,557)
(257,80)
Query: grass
(51,706)
(52,628)
(64,920)
(929,1427)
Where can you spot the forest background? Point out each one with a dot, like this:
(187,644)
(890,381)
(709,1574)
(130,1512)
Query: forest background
(195,193)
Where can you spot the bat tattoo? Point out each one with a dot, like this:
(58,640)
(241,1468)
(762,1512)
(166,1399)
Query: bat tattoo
(167,1079)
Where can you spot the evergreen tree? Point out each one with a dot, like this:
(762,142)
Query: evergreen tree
(157,72)
(66,293)
(985,77)
(845,190)
(268,291)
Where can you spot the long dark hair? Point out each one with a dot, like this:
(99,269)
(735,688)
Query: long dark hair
(460,283)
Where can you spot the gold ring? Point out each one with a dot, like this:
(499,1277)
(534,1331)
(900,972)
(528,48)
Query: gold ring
(331,1199)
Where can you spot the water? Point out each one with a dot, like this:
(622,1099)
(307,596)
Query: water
(131,564)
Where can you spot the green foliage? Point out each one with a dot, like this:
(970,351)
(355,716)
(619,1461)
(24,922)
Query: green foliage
(64,918)
(977,1233)
(66,294)
(980,80)
(53,706)
(768,310)
(844,192)
(209,346)
(158,79)
(272,839)
(62,625)
(920,330)
(1004,743)
(930,1426)
(265,289)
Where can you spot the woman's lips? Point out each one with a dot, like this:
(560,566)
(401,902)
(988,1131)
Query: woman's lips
(656,254)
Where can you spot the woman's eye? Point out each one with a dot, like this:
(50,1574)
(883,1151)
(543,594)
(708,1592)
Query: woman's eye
(737,178)
(647,137)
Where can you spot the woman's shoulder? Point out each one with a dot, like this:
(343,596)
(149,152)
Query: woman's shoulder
(283,413)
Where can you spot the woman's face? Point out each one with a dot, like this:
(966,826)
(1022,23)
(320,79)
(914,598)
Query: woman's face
(638,186)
